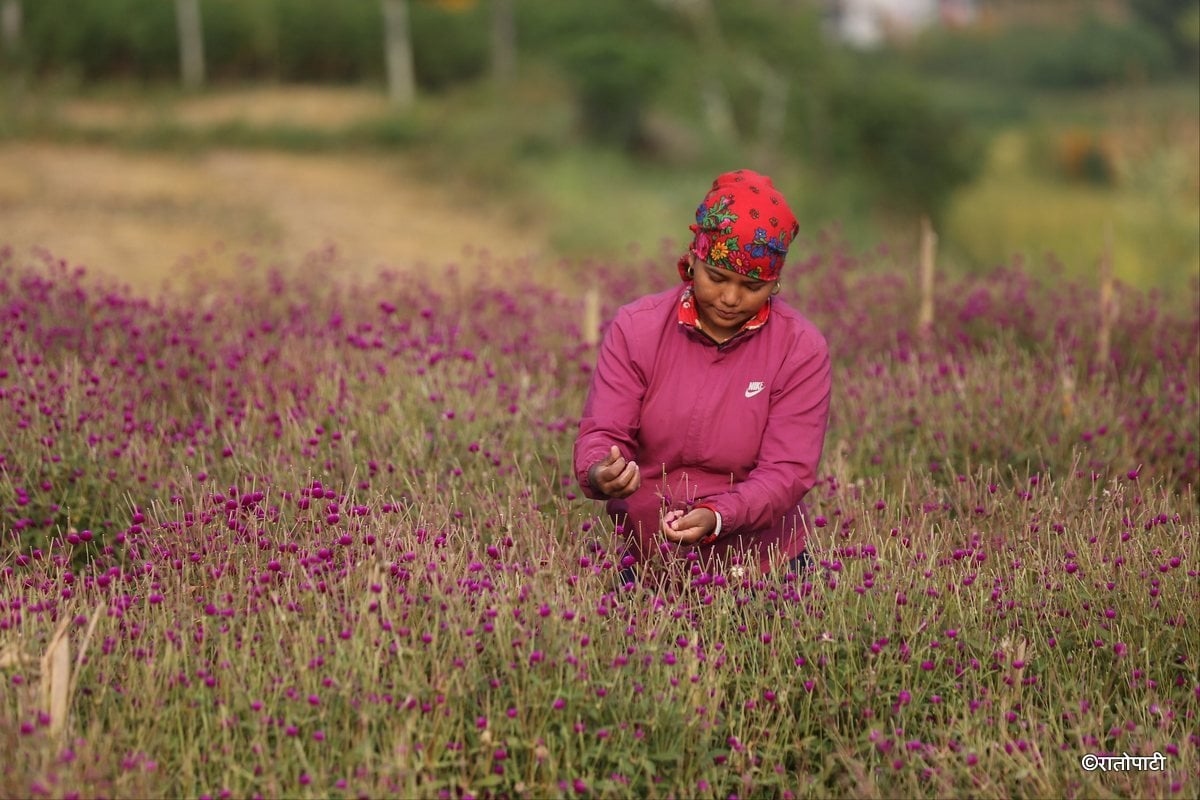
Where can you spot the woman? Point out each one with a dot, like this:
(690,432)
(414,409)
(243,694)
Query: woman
(706,416)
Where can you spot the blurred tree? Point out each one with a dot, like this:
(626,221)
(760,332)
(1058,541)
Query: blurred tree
(1178,22)
(889,129)
(1097,53)
(614,53)
(766,42)
(320,41)
(774,47)
(613,78)
(191,42)
(715,103)
(504,41)
(402,82)
(102,38)
(10,28)
(1091,51)
(747,59)
(450,42)
(241,41)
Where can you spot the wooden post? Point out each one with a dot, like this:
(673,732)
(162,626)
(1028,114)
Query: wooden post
(10,27)
(1107,302)
(927,265)
(191,42)
(402,81)
(56,679)
(1067,381)
(591,316)
(504,41)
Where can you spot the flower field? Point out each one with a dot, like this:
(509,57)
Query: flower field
(297,534)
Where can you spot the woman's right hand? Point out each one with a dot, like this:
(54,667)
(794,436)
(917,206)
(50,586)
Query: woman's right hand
(614,476)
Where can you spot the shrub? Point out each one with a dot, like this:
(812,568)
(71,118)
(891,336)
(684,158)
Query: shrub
(613,53)
(290,40)
(101,39)
(892,130)
(1091,54)
(449,46)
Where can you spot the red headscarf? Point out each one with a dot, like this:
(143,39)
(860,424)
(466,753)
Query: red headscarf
(743,225)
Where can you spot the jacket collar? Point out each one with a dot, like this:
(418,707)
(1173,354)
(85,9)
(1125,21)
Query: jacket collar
(689,320)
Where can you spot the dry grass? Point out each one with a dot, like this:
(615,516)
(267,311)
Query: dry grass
(317,107)
(1015,208)
(136,215)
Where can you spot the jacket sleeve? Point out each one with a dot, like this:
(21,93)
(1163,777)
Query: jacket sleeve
(613,409)
(791,445)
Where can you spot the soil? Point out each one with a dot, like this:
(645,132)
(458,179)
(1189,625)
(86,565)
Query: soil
(142,216)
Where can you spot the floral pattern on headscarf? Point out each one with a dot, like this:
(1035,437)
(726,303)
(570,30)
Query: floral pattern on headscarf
(743,225)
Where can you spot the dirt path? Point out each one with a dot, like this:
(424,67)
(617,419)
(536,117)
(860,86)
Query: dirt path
(140,216)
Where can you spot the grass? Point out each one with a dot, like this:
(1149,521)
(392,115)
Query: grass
(319,536)
(1020,209)
(522,149)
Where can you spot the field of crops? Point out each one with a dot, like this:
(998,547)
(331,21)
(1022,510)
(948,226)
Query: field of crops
(299,534)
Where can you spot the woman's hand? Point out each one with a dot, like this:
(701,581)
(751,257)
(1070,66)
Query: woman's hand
(614,476)
(689,528)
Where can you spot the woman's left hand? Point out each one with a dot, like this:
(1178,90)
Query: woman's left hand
(689,528)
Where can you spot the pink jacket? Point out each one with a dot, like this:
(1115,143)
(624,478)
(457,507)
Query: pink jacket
(739,426)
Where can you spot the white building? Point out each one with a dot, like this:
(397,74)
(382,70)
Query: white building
(867,23)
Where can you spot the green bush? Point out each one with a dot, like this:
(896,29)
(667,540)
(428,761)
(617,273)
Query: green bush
(101,38)
(449,46)
(612,79)
(241,39)
(1178,23)
(767,35)
(889,128)
(613,53)
(328,42)
(290,40)
(1094,53)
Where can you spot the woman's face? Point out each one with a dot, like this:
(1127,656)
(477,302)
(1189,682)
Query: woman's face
(725,300)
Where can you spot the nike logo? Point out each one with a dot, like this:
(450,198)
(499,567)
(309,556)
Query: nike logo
(754,388)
